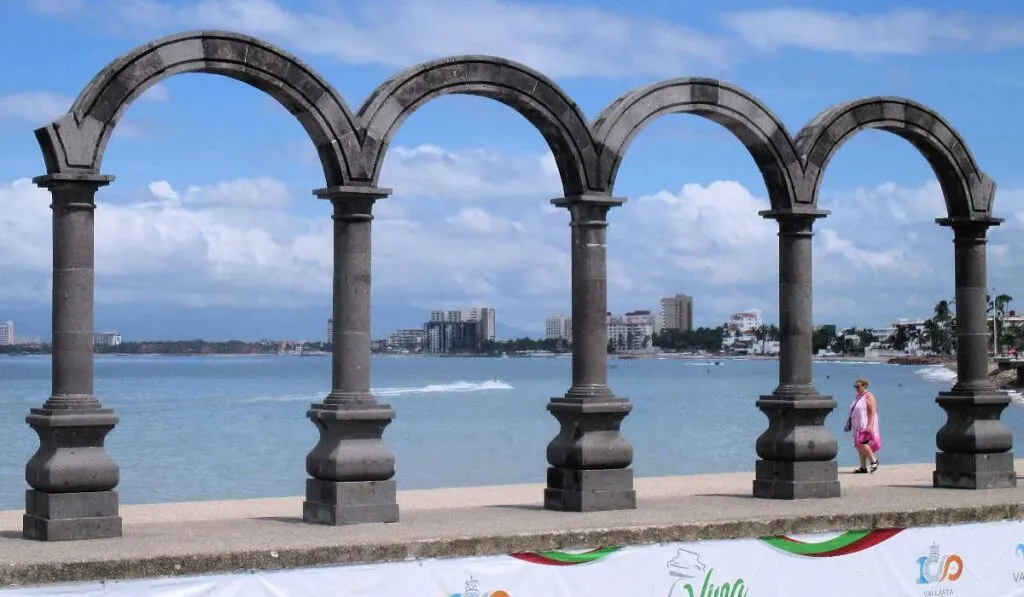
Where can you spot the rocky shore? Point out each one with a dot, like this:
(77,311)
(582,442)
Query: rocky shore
(1006,380)
(928,359)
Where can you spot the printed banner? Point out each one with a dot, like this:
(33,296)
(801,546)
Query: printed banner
(976,560)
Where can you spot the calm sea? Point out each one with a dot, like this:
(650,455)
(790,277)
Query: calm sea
(196,428)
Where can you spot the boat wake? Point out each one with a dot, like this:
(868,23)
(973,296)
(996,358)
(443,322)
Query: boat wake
(455,387)
(937,373)
(448,388)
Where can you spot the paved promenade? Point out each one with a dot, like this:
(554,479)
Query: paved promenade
(205,537)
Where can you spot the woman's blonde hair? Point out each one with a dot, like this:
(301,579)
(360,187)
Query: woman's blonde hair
(862,383)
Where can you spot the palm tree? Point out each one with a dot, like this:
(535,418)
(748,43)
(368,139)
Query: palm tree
(997,306)
(761,333)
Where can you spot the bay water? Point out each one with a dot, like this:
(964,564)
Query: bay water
(200,428)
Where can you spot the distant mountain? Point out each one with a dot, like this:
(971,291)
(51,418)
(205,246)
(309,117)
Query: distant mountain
(507,332)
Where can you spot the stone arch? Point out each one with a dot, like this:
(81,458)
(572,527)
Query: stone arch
(528,92)
(76,141)
(760,131)
(967,190)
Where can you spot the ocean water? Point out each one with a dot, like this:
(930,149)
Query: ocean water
(195,428)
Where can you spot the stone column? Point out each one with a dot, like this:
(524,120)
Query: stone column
(71,475)
(974,445)
(589,458)
(797,453)
(351,469)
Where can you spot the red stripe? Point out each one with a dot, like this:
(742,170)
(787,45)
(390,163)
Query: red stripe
(534,558)
(872,539)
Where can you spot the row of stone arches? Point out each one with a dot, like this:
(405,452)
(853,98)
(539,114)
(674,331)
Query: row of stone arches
(351,470)
(352,145)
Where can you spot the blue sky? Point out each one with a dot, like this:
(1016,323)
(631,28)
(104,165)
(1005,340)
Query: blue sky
(210,229)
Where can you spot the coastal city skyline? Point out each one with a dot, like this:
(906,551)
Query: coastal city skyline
(210,229)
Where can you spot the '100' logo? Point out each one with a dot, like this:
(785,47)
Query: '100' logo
(936,567)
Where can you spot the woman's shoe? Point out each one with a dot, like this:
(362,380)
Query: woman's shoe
(874,465)
(860,471)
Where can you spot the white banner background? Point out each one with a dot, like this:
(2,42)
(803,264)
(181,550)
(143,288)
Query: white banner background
(980,560)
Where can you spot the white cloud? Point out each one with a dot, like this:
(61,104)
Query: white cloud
(38,108)
(430,172)
(35,107)
(559,40)
(156,93)
(193,246)
(894,32)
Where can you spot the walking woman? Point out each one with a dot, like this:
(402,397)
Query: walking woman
(863,422)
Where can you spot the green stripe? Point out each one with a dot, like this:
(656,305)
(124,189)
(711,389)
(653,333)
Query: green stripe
(577,558)
(803,549)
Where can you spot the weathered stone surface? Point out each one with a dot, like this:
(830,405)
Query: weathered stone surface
(71,516)
(71,475)
(558,119)
(78,143)
(350,466)
(932,135)
(589,456)
(761,132)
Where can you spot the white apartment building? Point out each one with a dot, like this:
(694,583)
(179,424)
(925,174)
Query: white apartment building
(745,321)
(632,331)
(106,339)
(558,327)
(676,314)
(6,333)
(483,315)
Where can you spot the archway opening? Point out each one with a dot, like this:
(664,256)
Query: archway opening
(469,228)
(691,227)
(213,270)
(884,283)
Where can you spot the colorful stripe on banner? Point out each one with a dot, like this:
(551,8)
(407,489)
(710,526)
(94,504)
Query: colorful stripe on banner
(847,543)
(564,558)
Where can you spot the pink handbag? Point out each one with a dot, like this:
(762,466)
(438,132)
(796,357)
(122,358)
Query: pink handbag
(871,439)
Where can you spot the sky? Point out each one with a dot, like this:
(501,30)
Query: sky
(210,228)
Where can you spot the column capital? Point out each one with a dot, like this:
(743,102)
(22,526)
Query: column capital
(67,188)
(971,226)
(72,179)
(352,203)
(789,215)
(590,209)
(352,192)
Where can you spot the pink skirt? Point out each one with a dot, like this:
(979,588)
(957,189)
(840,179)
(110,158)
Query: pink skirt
(871,439)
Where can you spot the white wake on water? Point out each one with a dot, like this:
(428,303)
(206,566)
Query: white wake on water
(937,373)
(455,387)
(445,388)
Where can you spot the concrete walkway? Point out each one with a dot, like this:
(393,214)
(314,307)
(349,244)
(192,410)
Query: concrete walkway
(205,537)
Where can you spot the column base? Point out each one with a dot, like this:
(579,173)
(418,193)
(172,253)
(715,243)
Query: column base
(589,490)
(788,480)
(339,503)
(71,516)
(974,471)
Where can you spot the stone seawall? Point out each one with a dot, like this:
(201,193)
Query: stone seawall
(209,537)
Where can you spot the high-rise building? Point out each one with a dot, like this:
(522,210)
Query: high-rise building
(676,314)
(6,333)
(558,327)
(447,337)
(632,331)
(330,331)
(484,316)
